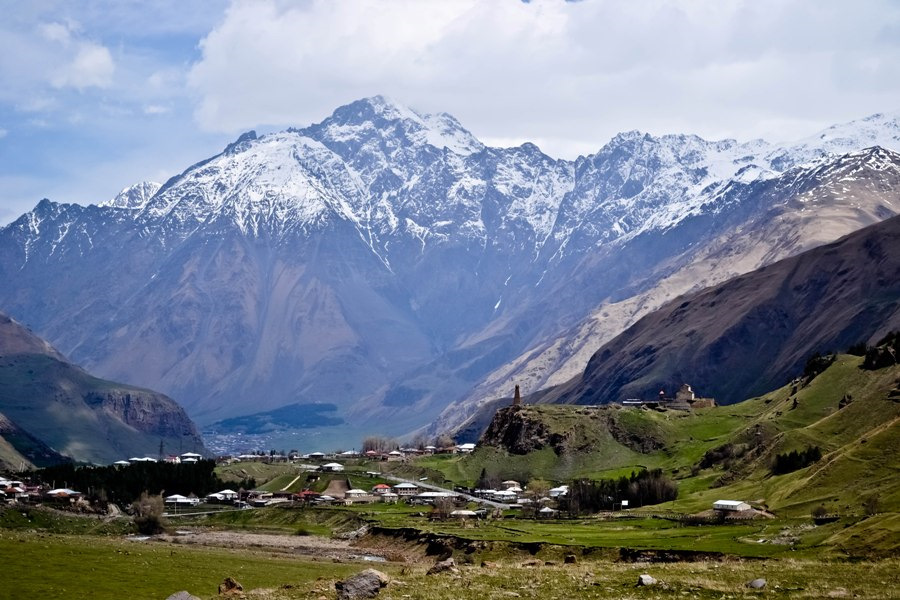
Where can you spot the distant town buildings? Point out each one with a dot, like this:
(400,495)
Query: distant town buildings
(684,399)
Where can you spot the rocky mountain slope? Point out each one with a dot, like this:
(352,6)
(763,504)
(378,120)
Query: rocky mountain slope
(19,450)
(50,407)
(781,217)
(754,332)
(386,261)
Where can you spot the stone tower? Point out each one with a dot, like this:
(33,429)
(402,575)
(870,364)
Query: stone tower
(517,398)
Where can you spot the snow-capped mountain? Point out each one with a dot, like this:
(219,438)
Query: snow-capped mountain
(386,261)
(134,196)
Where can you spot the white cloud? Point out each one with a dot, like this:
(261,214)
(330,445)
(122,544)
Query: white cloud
(570,74)
(156,109)
(92,66)
(78,63)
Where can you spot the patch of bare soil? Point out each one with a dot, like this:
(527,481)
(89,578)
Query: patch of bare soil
(317,546)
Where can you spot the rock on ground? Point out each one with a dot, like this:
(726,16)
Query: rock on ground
(230,587)
(757,584)
(365,584)
(646,580)
(442,566)
(571,559)
(182,595)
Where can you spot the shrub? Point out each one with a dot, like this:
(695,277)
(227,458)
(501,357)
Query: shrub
(148,512)
(816,364)
(871,505)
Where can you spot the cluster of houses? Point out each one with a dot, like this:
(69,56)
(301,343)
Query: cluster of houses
(16,491)
(400,454)
(341,492)
(186,458)
(223,497)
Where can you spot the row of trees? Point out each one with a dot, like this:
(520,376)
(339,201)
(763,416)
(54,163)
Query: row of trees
(123,485)
(794,461)
(642,488)
(386,444)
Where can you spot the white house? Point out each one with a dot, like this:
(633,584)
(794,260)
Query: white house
(223,496)
(179,500)
(559,491)
(731,505)
(505,496)
(547,512)
(406,489)
(333,467)
(355,493)
(466,448)
(135,459)
(58,494)
(389,497)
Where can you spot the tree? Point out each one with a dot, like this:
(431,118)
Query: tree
(380,444)
(442,508)
(148,512)
(871,505)
(487,481)
(444,441)
(537,489)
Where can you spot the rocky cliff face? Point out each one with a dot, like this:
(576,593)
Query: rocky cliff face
(51,403)
(516,431)
(570,430)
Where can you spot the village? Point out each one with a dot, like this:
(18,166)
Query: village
(345,484)
(371,486)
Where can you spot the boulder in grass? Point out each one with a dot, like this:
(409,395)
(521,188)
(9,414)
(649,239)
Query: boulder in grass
(443,566)
(182,595)
(230,587)
(365,584)
(571,559)
(646,580)
(757,584)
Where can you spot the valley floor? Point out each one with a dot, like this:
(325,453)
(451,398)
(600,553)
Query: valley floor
(66,566)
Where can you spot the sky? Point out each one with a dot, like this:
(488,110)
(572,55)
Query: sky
(98,95)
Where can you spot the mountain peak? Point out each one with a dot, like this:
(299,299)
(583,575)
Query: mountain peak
(134,196)
(383,117)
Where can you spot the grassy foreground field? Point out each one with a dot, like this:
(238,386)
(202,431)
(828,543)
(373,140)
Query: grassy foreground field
(58,566)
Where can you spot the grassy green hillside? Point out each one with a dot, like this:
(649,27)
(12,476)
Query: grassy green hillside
(11,459)
(858,442)
(85,417)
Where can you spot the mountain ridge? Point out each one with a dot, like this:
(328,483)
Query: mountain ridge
(825,299)
(251,278)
